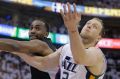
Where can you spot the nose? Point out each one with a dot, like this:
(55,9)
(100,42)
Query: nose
(89,26)
(32,31)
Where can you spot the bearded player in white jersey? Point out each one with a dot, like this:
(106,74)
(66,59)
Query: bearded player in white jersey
(79,59)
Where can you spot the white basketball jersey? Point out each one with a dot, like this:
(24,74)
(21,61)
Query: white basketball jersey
(71,70)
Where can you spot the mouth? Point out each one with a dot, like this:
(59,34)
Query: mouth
(33,37)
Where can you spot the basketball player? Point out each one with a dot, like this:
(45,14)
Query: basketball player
(78,60)
(39,29)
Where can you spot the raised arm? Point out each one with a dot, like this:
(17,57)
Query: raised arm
(80,55)
(32,46)
(42,63)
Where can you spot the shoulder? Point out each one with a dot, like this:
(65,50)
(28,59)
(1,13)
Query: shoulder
(38,42)
(100,65)
(96,52)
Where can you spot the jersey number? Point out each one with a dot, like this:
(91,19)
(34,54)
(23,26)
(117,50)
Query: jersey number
(65,75)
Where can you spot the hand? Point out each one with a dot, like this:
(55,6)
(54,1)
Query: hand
(71,19)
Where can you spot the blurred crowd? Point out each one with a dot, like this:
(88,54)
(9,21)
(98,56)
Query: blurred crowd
(26,23)
(96,3)
(110,32)
(12,67)
(113,64)
(101,3)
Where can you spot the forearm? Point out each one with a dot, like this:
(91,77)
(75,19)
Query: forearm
(36,64)
(32,61)
(77,47)
(40,63)
(10,45)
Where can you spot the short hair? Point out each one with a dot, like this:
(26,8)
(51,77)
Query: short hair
(47,26)
(102,33)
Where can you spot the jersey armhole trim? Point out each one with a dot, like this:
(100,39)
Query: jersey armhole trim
(96,76)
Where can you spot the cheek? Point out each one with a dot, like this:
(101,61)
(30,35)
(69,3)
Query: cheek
(95,33)
(40,32)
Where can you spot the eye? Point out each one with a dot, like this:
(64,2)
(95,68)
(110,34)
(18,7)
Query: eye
(37,28)
(31,27)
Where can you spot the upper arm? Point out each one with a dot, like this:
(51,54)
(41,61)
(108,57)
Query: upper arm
(92,57)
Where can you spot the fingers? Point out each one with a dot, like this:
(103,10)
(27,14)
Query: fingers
(67,13)
(67,9)
(75,11)
(79,14)
(62,14)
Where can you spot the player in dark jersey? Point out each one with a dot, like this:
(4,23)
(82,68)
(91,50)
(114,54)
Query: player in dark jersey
(39,30)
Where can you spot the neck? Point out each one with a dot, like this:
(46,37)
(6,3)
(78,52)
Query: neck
(88,42)
(42,39)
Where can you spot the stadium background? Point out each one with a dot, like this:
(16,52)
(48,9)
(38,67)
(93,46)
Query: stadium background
(16,16)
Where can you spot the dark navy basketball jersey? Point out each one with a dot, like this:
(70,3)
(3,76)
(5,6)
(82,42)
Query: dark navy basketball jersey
(37,74)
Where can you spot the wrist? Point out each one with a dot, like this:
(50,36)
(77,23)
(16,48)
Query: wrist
(72,30)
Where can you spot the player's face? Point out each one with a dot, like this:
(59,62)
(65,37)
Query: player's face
(92,29)
(37,30)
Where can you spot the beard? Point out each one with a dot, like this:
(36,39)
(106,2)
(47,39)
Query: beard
(33,37)
(86,39)
(84,36)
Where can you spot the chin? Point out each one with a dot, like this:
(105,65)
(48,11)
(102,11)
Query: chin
(32,38)
(85,36)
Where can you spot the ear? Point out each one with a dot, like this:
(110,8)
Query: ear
(99,38)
